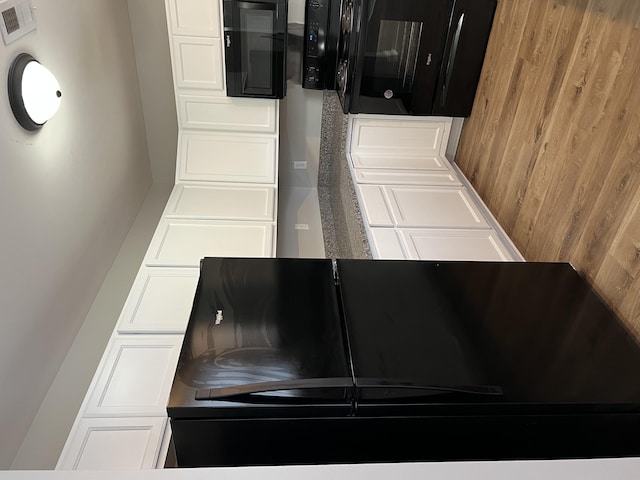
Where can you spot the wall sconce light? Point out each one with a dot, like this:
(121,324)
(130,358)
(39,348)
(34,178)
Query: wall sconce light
(34,93)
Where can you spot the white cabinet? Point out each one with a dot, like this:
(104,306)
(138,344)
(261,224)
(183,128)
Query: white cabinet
(423,161)
(135,376)
(194,17)
(420,206)
(405,177)
(198,64)
(219,157)
(461,245)
(113,444)
(229,114)
(399,136)
(183,243)
(227,202)
(160,301)
(386,244)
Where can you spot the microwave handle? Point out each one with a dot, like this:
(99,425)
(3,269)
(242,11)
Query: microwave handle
(256,5)
(452,57)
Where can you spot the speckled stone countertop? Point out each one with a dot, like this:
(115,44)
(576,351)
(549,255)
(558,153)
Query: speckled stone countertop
(342,226)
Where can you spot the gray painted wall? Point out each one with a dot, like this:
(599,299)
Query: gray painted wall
(69,195)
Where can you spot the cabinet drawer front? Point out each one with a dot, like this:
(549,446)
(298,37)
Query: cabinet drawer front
(398,162)
(227,158)
(231,114)
(399,137)
(183,243)
(198,63)
(160,301)
(194,17)
(404,177)
(135,377)
(461,245)
(445,207)
(113,444)
(386,244)
(375,206)
(222,202)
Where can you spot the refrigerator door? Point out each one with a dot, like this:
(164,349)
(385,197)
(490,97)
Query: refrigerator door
(264,338)
(467,40)
(407,341)
(484,337)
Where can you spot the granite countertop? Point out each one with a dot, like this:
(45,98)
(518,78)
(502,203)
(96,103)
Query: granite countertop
(342,225)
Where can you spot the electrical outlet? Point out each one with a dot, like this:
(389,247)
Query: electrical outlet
(301,226)
(300,165)
(16,19)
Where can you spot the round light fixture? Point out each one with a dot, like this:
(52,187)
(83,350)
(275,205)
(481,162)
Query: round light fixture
(34,93)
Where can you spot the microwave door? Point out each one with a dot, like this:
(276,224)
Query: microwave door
(464,55)
(255,50)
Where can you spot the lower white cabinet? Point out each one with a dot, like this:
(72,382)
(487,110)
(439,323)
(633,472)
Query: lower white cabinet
(460,245)
(399,136)
(225,202)
(183,243)
(379,176)
(160,301)
(114,444)
(135,376)
(420,206)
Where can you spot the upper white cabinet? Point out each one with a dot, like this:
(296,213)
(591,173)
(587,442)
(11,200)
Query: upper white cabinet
(183,243)
(228,114)
(160,301)
(194,17)
(219,157)
(135,376)
(197,64)
(113,444)
(227,202)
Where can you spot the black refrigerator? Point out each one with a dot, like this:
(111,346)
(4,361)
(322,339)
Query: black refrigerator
(291,361)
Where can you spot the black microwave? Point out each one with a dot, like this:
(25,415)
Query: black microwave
(255,40)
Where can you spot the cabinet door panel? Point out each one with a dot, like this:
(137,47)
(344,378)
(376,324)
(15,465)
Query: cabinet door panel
(198,63)
(113,444)
(446,207)
(226,158)
(160,301)
(399,137)
(222,202)
(400,162)
(135,377)
(386,244)
(404,177)
(231,114)
(375,206)
(194,17)
(461,245)
(183,243)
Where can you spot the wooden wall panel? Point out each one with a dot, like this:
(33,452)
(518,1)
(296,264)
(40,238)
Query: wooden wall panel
(553,143)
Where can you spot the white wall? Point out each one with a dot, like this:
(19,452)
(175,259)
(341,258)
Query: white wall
(69,195)
(151,46)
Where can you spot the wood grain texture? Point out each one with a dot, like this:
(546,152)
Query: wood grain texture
(553,142)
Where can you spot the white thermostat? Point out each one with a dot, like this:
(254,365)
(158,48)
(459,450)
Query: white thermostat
(16,19)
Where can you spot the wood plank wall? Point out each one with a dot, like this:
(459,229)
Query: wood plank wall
(553,143)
